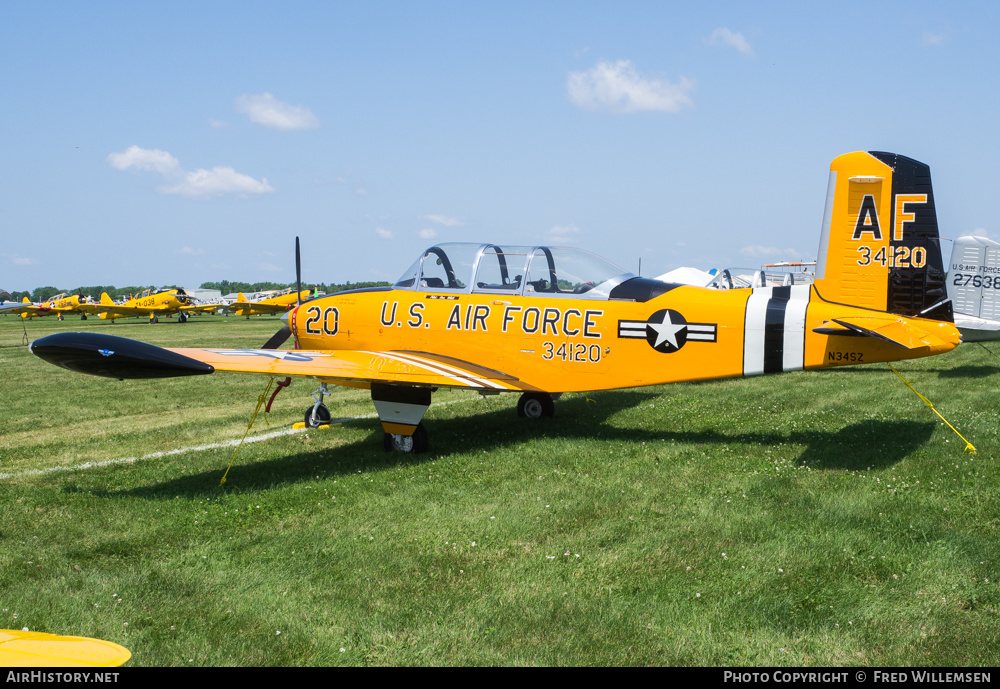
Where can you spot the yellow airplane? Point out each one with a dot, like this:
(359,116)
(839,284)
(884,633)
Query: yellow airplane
(59,305)
(279,303)
(540,320)
(152,303)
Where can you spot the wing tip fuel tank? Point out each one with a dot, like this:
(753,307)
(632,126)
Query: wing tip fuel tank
(114,357)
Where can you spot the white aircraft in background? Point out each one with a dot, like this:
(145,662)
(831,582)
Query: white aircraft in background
(974,288)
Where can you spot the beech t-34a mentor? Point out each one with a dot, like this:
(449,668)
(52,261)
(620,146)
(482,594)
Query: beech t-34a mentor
(545,320)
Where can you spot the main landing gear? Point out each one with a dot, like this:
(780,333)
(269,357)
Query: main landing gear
(416,443)
(536,405)
(400,409)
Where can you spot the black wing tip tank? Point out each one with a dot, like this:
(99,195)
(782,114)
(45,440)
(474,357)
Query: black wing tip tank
(114,357)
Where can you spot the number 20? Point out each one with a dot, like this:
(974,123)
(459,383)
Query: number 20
(330,320)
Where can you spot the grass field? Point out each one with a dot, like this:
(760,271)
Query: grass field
(807,519)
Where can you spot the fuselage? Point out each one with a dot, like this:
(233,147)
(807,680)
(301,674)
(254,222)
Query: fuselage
(572,343)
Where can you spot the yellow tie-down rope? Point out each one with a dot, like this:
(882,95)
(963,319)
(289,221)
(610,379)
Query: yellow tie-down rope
(969,447)
(260,403)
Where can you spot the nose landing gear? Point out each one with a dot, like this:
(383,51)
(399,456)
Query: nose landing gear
(318,415)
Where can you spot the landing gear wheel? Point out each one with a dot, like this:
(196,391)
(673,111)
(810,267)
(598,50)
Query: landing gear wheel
(83,316)
(536,405)
(182,318)
(154,319)
(410,444)
(321,417)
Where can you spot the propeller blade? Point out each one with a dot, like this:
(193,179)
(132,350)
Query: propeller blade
(298,274)
(279,338)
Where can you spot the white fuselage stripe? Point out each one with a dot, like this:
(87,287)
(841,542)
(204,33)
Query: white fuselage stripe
(753,336)
(794,352)
(793,336)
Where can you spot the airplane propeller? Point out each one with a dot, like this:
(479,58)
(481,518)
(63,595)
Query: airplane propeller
(279,338)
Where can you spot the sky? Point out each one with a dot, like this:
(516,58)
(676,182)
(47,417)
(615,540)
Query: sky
(185,142)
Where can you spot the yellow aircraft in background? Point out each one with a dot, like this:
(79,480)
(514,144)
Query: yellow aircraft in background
(540,320)
(59,305)
(152,303)
(279,303)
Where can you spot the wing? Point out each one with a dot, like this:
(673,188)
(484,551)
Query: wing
(14,307)
(250,308)
(358,366)
(119,357)
(37,649)
(119,310)
(202,308)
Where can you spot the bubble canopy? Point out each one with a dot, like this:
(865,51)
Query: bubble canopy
(514,270)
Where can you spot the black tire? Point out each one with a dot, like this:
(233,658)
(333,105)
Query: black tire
(409,444)
(536,405)
(321,417)
(182,318)
(83,316)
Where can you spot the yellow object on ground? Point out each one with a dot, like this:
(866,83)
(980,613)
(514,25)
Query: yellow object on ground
(36,649)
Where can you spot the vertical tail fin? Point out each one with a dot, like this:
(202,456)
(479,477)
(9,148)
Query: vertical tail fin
(974,278)
(879,247)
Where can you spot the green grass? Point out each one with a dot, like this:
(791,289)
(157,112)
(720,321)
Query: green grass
(821,518)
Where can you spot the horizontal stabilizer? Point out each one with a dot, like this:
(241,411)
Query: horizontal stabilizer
(114,357)
(895,331)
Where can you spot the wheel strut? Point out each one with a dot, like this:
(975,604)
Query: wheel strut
(318,414)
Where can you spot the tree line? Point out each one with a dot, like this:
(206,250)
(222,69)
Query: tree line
(40,294)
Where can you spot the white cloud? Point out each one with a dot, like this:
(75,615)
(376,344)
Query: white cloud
(383,234)
(618,88)
(149,160)
(188,251)
(931,39)
(733,39)
(758,251)
(23,260)
(216,182)
(428,233)
(270,267)
(265,109)
(201,183)
(217,124)
(562,232)
(443,220)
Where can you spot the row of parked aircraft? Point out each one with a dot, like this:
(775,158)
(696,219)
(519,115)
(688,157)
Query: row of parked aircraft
(973,283)
(541,320)
(154,303)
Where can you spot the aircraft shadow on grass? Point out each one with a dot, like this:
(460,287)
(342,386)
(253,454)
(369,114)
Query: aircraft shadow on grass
(968,371)
(870,444)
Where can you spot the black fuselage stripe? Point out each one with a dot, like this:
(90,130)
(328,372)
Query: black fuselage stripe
(774,330)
